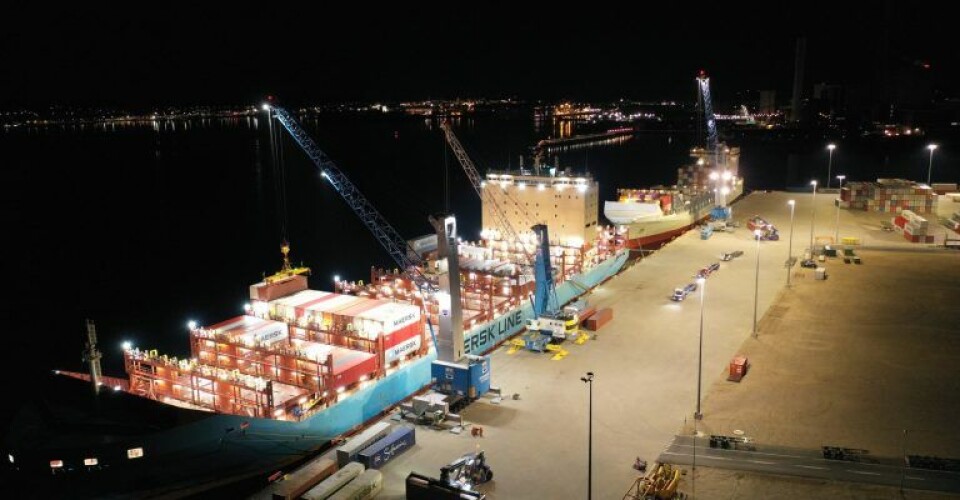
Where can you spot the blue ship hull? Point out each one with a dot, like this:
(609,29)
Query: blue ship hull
(209,448)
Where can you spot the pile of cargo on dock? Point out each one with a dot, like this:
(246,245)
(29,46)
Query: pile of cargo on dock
(913,227)
(889,195)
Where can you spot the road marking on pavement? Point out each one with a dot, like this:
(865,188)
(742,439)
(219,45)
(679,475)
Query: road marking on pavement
(704,457)
(916,478)
(764,462)
(866,473)
(811,467)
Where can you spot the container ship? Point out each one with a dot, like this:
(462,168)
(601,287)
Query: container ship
(268,388)
(655,216)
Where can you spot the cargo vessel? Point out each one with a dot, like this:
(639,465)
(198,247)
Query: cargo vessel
(655,216)
(299,368)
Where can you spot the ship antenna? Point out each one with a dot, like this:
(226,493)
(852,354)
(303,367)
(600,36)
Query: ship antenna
(92,356)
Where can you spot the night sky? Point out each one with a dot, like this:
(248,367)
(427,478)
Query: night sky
(191,53)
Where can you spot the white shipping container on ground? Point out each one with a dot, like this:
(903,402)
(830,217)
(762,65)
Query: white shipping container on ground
(365,486)
(334,483)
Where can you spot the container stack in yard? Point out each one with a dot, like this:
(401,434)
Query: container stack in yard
(888,195)
(598,319)
(912,227)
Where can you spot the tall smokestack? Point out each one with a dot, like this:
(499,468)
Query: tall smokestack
(798,65)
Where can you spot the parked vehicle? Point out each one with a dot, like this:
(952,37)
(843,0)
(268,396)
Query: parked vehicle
(728,256)
(681,293)
(808,263)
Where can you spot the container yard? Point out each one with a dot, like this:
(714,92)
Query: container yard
(889,195)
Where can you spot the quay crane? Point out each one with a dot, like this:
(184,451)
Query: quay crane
(454,373)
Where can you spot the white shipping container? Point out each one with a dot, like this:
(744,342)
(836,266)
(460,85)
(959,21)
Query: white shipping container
(347,451)
(334,483)
(364,487)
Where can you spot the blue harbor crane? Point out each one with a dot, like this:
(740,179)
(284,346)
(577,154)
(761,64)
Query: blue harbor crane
(550,322)
(706,104)
(453,372)
(714,152)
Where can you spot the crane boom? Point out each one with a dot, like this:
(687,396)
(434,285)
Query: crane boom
(389,238)
(485,194)
(703,83)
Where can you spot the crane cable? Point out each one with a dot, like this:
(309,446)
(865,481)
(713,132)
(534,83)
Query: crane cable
(279,177)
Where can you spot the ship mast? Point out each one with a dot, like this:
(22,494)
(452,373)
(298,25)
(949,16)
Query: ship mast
(92,355)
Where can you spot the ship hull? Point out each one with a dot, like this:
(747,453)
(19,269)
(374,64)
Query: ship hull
(653,233)
(212,449)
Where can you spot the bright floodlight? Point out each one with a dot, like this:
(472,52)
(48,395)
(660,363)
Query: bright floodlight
(266,107)
(247,307)
(192,325)
(831,147)
(726,175)
(791,202)
(714,176)
(813,183)
(931,147)
(126,345)
(701,281)
(724,190)
(336,278)
(841,177)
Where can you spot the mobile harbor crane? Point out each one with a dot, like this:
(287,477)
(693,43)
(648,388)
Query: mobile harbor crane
(550,323)
(487,195)
(455,374)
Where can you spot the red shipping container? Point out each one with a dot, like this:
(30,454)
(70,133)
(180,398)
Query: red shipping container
(599,319)
(586,313)
(738,368)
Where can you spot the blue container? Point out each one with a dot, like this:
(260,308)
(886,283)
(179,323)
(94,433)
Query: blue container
(470,379)
(378,454)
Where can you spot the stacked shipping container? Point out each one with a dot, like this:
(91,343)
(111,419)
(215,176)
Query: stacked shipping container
(295,352)
(912,227)
(888,195)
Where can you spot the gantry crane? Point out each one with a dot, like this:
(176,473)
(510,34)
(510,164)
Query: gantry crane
(450,345)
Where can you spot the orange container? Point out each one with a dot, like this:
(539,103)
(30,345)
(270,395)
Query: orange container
(738,368)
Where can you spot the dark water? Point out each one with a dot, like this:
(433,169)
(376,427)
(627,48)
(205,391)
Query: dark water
(143,228)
